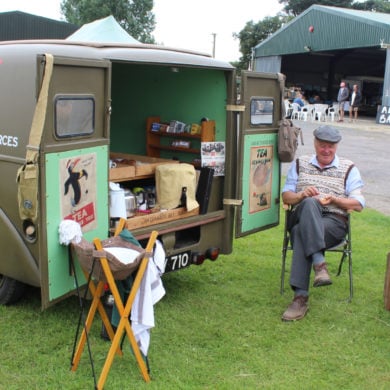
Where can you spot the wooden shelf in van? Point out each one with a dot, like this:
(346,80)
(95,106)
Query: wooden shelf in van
(132,166)
(175,148)
(154,144)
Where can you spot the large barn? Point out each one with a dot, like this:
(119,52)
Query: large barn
(17,25)
(325,45)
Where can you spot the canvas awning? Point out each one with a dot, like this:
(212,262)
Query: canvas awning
(102,30)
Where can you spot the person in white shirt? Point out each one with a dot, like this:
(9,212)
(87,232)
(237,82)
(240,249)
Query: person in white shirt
(322,189)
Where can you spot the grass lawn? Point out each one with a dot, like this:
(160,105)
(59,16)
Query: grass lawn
(219,327)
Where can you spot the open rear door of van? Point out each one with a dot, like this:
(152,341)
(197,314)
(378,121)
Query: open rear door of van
(74,164)
(258,165)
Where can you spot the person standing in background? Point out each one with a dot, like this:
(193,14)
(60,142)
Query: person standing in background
(342,97)
(356,99)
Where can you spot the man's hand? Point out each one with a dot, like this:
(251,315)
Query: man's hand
(293,198)
(326,200)
(309,192)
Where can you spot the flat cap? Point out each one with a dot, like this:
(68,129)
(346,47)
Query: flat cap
(327,133)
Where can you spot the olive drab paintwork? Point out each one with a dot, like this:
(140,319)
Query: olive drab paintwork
(95,100)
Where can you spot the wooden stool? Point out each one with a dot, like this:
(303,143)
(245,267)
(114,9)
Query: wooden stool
(96,289)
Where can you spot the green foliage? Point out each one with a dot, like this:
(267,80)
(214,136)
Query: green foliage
(296,7)
(219,327)
(373,5)
(135,16)
(253,33)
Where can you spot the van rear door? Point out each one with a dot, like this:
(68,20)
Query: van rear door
(74,164)
(258,165)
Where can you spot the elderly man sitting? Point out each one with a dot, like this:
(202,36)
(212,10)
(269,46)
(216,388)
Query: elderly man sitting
(321,189)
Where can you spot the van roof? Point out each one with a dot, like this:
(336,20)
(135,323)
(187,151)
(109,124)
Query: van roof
(138,53)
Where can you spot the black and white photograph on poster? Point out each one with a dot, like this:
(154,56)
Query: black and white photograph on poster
(213,156)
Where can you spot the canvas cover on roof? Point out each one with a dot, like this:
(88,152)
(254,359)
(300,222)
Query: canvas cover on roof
(102,30)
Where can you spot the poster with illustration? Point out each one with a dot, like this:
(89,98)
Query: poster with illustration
(261,158)
(78,190)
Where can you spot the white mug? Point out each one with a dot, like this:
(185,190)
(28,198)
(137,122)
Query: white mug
(112,164)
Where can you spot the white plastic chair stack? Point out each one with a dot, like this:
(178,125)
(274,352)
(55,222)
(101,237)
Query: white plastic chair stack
(296,111)
(306,112)
(320,112)
(288,108)
(333,111)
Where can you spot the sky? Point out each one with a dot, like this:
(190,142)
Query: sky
(199,25)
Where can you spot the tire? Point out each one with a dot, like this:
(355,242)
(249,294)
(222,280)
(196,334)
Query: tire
(11,290)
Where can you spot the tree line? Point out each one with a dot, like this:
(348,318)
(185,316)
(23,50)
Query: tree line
(137,18)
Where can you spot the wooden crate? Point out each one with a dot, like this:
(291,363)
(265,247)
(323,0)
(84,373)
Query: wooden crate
(143,220)
(133,166)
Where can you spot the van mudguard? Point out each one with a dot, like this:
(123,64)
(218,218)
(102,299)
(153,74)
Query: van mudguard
(19,263)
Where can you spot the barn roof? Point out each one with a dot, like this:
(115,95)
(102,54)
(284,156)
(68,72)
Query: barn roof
(333,28)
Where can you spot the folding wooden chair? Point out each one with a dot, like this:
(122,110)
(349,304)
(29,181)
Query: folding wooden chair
(124,308)
(344,247)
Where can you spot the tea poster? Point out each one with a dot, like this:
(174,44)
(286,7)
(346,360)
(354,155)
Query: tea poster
(78,190)
(260,184)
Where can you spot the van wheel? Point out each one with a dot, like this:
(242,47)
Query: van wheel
(11,290)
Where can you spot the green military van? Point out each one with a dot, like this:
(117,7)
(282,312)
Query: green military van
(77,117)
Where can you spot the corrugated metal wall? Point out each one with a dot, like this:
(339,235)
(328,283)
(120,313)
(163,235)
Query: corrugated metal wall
(19,25)
(333,30)
(270,64)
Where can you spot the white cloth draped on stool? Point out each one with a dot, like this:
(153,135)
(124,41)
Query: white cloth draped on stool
(151,290)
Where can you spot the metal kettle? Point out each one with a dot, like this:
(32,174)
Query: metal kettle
(131,203)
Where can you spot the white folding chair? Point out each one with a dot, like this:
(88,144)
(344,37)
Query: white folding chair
(320,112)
(344,247)
(296,111)
(306,112)
(288,108)
(333,111)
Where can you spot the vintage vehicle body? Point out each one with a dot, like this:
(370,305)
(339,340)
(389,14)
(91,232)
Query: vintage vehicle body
(114,89)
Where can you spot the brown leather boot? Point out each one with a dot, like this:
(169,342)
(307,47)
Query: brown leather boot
(297,309)
(321,275)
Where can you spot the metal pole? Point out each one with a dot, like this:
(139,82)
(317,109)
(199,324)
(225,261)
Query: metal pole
(214,38)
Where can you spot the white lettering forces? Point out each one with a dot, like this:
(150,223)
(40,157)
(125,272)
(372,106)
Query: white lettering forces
(9,140)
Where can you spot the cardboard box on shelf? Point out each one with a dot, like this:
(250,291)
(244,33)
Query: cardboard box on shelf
(132,166)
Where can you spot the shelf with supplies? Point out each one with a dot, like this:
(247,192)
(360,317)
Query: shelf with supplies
(127,167)
(178,135)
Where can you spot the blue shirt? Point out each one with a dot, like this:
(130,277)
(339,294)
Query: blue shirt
(299,101)
(354,181)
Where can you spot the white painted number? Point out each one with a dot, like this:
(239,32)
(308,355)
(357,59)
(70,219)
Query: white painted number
(180,261)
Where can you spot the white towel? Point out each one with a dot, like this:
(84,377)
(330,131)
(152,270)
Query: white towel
(151,290)
(159,257)
(69,231)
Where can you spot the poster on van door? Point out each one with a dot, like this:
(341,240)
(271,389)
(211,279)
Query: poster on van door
(260,184)
(78,190)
